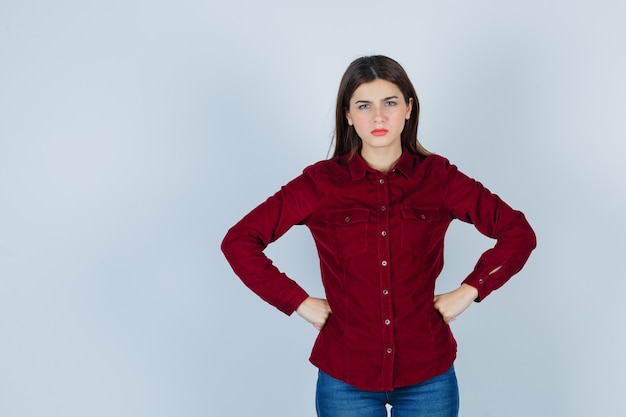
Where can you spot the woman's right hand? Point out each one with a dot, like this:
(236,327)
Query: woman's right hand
(316,311)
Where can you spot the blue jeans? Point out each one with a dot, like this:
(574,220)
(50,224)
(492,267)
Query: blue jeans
(436,397)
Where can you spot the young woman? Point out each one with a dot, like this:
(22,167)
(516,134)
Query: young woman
(378,212)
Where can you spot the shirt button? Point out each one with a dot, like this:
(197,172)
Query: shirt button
(384,233)
(481,281)
(387,322)
(382,181)
(423,217)
(383,208)
(389,350)
(347,219)
(384,263)
(385,292)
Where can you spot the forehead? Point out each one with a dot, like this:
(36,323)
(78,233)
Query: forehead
(376,90)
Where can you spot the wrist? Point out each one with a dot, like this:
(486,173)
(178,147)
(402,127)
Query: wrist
(302,305)
(469,292)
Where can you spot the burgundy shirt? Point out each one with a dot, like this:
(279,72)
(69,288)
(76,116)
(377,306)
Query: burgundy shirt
(380,242)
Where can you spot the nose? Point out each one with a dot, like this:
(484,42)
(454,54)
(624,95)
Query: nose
(378,116)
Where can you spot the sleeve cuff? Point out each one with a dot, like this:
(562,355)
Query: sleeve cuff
(480,281)
(297,296)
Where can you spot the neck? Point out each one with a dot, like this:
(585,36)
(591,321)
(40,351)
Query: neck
(381,159)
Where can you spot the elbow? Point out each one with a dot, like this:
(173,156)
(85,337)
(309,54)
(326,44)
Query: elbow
(228,244)
(527,238)
(240,243)
(532,237)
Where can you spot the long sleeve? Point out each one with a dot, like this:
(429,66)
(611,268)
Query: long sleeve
(469,201)
(245,242)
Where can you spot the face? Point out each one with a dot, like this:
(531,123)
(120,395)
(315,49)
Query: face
(378,112)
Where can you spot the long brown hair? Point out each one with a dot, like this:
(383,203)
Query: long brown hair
(364,70)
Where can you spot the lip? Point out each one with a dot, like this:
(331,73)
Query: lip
(379,132)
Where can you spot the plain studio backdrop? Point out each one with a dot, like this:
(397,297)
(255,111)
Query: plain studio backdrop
(133,134)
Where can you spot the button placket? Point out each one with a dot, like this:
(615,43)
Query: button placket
(384,273)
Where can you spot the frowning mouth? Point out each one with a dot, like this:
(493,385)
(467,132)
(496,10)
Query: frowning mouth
(379,132)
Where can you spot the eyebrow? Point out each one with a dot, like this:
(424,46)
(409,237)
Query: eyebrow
(368,101)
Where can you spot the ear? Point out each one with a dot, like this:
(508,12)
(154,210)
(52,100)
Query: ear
(409,109)
(350,122)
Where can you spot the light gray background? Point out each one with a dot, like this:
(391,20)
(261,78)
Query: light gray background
(134,133)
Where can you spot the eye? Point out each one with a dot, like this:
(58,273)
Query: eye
(390,103)
(364,106)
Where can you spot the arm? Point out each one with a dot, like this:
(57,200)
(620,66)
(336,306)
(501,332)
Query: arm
(469,201)
(245,242)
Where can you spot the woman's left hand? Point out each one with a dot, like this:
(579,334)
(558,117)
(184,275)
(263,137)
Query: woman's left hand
(450,305)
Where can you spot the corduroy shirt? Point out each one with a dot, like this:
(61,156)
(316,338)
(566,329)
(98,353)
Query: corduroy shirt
(380,240)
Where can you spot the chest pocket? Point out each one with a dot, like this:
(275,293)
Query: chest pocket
(418,226)
(350,231)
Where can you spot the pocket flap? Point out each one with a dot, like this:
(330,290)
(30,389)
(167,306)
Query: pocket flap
(357,215)
(421,214)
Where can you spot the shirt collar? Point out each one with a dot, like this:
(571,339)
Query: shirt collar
(406,165)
